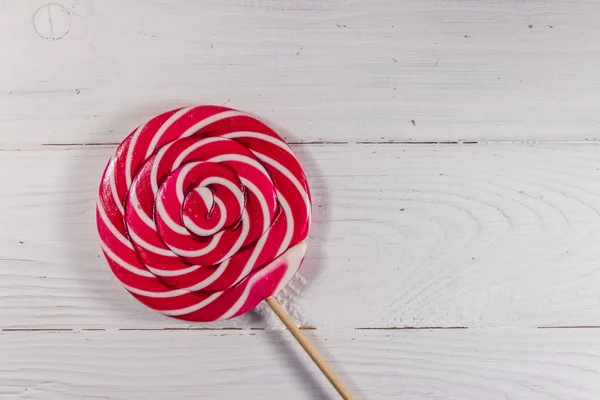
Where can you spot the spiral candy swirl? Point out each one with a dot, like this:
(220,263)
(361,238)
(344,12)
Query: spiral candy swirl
(203,212)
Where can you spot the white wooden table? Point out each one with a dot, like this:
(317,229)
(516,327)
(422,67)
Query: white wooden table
(450,147)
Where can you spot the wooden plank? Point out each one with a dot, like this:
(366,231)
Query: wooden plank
(382,70)
(413,365)
(403,235)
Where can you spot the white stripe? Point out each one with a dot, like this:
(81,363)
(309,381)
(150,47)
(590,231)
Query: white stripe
(229,185)
(155,165)
(256,135)
(242,159)
(175,272)
(197,253)
(287,174)
(291,259)
(191,225)
(290,224)
(260,244)
(129,156)
(111,227)
(156,295)
(213,277)
(193,147)
(294,257)
(240,242)
(181,177)
(195,307)
(124,264)
(215,240)
(166,126)
(157,250)
(172,225)
(261,200)
(206,195)
(137,207)
(207,121)
(113,185)
(181,197)
(242,299)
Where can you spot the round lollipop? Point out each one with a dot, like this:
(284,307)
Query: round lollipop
(203,212)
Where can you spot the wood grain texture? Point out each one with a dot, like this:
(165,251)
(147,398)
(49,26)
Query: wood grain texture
(381,70)
(404,235)
(486,236)
(411,365)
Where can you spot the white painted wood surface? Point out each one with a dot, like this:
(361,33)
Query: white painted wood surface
(499,238)
(444,364)
(404,235)
(324,70)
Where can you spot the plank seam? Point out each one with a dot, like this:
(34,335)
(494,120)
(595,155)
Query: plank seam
(304,328)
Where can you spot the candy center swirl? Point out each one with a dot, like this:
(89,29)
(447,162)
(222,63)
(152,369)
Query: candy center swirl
(203,213)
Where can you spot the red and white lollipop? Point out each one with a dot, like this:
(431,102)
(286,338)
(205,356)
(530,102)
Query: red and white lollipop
(203,212)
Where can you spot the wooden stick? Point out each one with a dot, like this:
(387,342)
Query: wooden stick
(309,348)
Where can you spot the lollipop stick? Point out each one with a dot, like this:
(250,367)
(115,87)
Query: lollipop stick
(309,348)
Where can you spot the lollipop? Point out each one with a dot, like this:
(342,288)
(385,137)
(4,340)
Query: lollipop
(203,212)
